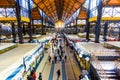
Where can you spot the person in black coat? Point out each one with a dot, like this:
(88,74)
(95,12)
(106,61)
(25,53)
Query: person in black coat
(58,74)
(40,76)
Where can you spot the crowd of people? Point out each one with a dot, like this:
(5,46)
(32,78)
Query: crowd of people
(58,54)
(32,75)
(58,51)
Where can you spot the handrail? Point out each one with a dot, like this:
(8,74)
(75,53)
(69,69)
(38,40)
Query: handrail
(117,63)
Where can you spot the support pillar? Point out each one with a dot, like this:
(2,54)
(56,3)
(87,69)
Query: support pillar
(98,26)
(42,24)
(87,22)
(46,25)
(105,31)
(18,16)
(29,24)
(13,32)
(119,34)
(0,32)
(29,32)
(24,32)
(33,29)
(76,26)
(87,29)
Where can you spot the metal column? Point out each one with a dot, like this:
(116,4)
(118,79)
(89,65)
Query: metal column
(42,24)
(87,22)
(105,31)
(76,26)
(0,32)
(119,34)
(13,32)
(29,24)
(18,16)
(98,26)
(24,32)
(33,29)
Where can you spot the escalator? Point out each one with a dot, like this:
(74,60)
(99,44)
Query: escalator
(111,75)
(109,69)
(106,70)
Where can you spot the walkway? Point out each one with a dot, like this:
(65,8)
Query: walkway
(72,68)
(69,69)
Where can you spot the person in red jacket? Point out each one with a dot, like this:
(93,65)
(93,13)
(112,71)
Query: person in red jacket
(34,75)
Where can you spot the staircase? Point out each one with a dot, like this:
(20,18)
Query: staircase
(111,74)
